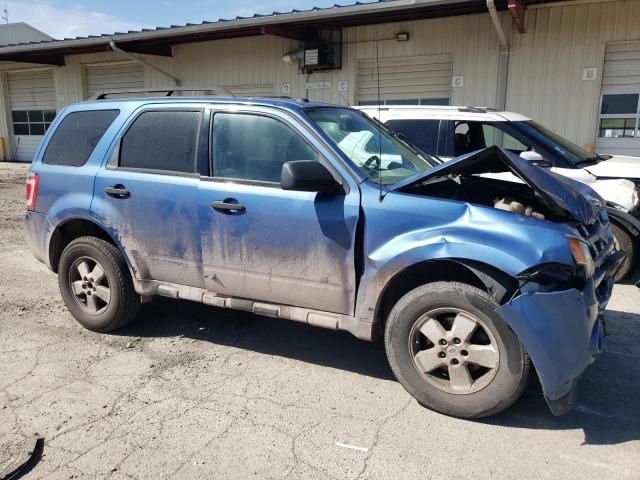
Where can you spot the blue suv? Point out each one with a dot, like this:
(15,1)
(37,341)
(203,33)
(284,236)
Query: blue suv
(317,214)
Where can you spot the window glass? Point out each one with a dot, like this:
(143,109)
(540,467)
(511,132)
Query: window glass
(21,129)
(614,104)
(617,127)
(378,153)
(162,140)
(76,137)
(254,147)
(494,136)
(422,133)
(19,116)
(31,122)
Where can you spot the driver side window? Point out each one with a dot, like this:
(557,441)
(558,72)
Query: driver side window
(254,147)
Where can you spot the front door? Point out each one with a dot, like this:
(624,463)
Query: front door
(147,195)
(261,242)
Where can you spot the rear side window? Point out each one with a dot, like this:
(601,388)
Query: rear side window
(77,136)
(162,140)
(422,133)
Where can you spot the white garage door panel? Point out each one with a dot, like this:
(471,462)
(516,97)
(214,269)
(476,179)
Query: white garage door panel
(266,90)
(33,90)
(622,65)
(421,77)
(117,76)
(621,75)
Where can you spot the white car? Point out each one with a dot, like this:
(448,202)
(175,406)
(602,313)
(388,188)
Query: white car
(448,132)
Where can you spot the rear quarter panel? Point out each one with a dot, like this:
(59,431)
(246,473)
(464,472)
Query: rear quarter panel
(65,192)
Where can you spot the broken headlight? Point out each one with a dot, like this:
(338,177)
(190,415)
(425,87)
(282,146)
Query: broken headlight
(558,276)
(582,257)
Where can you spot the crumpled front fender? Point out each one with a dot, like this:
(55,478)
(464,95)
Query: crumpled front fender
(560,331)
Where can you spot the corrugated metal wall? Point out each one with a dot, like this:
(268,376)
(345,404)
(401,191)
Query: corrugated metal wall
(545,71)
(545,74)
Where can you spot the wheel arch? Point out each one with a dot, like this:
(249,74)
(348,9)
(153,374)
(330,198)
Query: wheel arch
(495,282)
(68,230)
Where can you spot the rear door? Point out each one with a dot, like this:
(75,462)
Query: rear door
(286,247)
(147,193)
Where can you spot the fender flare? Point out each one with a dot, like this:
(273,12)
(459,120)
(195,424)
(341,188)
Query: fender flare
(63,220)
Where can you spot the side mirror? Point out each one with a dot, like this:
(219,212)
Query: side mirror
(536,159)
(532,157)
(308,176)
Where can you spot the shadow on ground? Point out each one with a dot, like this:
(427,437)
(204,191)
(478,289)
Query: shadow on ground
(608,409)
(270,336)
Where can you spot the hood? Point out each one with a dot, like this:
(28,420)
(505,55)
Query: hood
(618,166)
(566,197)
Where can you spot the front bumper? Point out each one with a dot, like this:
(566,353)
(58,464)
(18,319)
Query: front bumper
(562,331)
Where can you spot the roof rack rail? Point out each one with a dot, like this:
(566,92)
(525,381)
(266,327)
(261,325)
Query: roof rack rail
(471,109)
(166,92)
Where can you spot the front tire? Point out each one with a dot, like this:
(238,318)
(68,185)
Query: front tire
(96,285)
(453,353)
(624,242)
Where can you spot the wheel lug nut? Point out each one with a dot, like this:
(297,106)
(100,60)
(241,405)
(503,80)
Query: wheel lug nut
(455,361)
(442,341)
(457,341)
(442,355)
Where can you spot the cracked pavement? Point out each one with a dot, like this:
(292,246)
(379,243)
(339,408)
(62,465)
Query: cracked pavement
(189,391)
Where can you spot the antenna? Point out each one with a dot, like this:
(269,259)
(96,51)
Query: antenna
(5,13)
(380,197)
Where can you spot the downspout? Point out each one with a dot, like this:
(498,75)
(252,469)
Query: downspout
(115,48)
(503,61)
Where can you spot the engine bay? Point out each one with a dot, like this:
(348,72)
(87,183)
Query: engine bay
(514,197)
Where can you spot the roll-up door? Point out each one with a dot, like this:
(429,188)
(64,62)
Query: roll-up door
(619,118)
(417,80)
(32,102)
(266,90)
(114,76)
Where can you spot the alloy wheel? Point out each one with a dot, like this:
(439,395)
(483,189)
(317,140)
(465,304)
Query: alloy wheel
(89,285)
(454,351)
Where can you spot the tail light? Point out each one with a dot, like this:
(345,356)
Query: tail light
(33,180)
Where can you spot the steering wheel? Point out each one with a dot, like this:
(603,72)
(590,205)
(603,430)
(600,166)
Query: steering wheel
(371,162)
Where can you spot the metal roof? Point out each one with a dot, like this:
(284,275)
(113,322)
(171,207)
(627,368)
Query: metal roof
(292,24)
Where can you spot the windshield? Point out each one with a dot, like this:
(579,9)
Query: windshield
(382,156)
(552,141)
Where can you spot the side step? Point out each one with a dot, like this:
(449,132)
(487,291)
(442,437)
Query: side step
(318,318)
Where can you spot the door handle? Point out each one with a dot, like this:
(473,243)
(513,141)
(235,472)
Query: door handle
(117,191)
(228,206)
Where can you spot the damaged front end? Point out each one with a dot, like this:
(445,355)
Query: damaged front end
(557,308)
(558,314)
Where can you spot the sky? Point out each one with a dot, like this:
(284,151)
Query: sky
(72,18)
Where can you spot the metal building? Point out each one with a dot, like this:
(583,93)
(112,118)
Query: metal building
(573,65)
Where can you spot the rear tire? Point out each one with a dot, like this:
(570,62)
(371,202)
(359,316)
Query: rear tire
(469,364)
(96,285)
(625,243)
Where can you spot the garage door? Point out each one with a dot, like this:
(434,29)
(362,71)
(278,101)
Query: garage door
(114,76)
(618,122)
(419,80)
(32,102)
(266,90)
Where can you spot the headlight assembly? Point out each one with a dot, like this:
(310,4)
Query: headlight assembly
(582,257)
